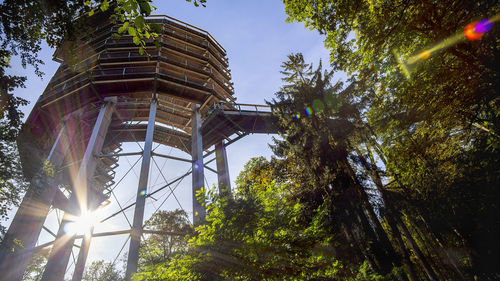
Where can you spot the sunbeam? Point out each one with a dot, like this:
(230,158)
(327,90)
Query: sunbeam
(473,31)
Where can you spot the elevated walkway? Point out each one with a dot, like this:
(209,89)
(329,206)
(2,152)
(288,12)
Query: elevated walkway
(223,122)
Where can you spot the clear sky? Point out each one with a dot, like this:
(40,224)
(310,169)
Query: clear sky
(257,41)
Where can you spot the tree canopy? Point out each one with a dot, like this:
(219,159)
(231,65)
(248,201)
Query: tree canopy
(257,235)
(395,171)
(102,271)
(160,248)
(435,121)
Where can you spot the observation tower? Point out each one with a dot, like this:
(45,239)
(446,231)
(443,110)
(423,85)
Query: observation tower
(106,93)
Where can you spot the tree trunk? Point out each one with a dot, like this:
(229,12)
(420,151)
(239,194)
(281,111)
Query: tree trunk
(355,241)
(404,255)
(404,252)
(418,253)
(388,254)
(439,240)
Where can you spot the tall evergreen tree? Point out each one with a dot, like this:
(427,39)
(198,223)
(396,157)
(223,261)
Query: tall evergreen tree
(432,109)
(319,125)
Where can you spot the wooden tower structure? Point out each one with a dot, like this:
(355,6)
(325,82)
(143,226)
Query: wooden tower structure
(177,94)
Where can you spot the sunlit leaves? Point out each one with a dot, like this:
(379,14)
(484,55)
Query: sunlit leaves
(104,5)
(133,13)
(197,3)
(130,13)
(257,235)
(139,22)
(158,248)
(124,27)
(425,124)
(101,270)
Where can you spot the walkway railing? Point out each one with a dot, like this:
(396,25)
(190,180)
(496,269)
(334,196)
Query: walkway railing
(227,106)
(251,107)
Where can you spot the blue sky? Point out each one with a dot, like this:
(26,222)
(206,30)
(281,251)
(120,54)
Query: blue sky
(257,41)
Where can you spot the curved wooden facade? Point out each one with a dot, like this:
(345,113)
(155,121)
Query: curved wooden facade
(189,67)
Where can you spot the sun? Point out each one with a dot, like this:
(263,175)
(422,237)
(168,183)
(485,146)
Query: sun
(82,224)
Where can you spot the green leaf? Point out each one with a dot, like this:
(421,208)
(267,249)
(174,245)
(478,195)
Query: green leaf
(145,7)
(156,27)
(137,41)
(104,5)
(132,31)
(91,13)
(139,22)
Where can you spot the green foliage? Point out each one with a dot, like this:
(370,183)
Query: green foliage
(11,178)
(160,248)
(321,131)
(36,266)
(131,14)
(258,235)
(102,271)
(255,236)
(197,3)
(365,274)
(436,130)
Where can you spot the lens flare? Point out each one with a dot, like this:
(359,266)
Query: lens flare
(81,224)
(143,192)
(85,222)
(484,26)
(473,31)
(425,54)
(308,111)
(330,101)
(297,116)
(196,165)
(476,30)
(470,32)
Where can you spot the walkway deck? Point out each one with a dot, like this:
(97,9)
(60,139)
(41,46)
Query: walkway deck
(240,119)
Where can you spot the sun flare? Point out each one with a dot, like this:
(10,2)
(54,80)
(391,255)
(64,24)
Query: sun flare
(81,224)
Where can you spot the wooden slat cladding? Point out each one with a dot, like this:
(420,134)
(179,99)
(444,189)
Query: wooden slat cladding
(189,67)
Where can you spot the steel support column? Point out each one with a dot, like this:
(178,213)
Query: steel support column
(222,168)
(61,251)
(82,255)
(27,224)
(135,239)
(197,156)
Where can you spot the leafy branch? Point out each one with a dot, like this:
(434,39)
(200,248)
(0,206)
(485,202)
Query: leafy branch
(131,14)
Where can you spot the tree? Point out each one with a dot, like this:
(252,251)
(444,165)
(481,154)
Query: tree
(11,178)
(320,132)
(159,248)
(102,271)
(35,268)
(257,235)
(433,117)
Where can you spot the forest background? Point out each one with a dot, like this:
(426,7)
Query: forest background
(392,175)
